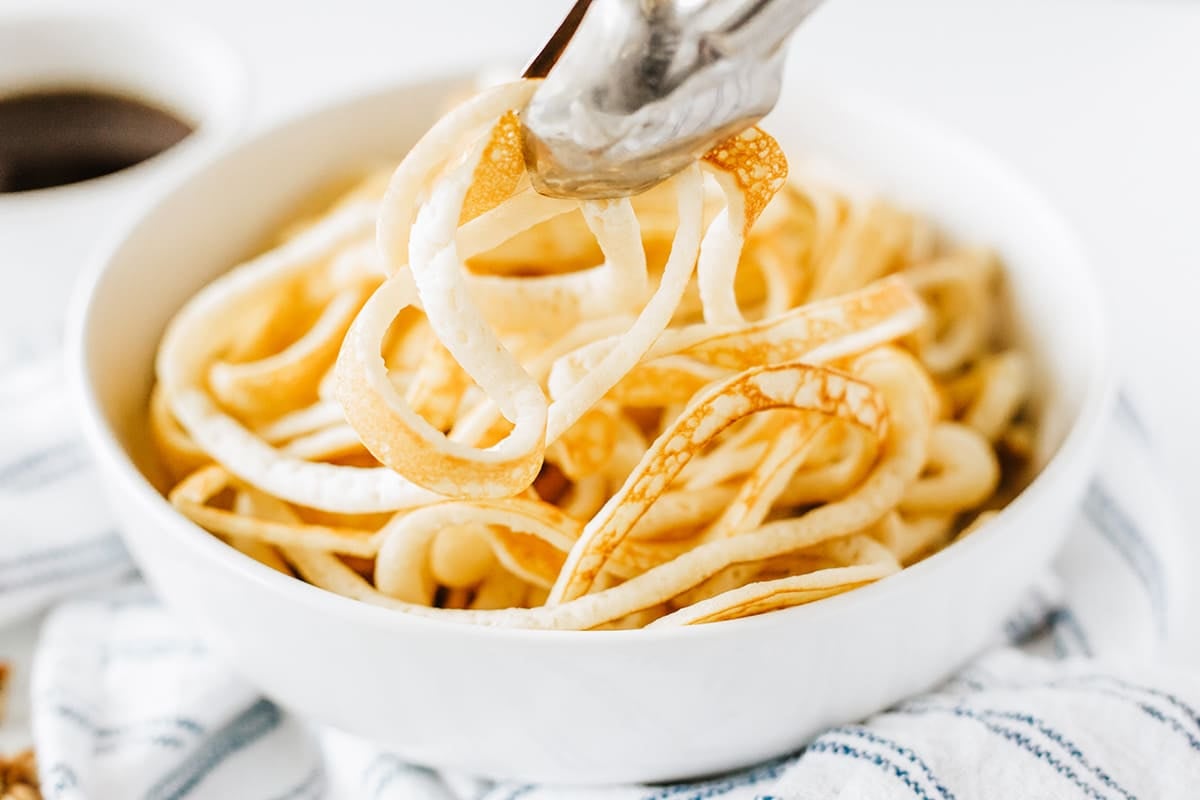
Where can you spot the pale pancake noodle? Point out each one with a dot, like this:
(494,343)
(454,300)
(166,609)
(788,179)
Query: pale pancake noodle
(455,398)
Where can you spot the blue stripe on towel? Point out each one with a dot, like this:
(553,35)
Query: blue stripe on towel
(520,792)
(35,470)
(152,650)
(112,560)
(1107,517)
(312,785)
(75,715)
(483,788)
(385,768)
(901,774)
(1082,683)
(106,541)
(1086,683)
(244,730)
(723,786)
(1042,620)
(1188,711)
(1062,741)
(1062,626)
(56,779)
(153,739)
(866,734)
(1127,414)
(1151,712)
(1019,739)
(1065,625)
(1021,627)
(138,597)
(967,679)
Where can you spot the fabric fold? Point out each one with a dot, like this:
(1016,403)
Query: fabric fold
(129,703)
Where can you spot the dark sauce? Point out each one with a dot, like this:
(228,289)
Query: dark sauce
(62,136)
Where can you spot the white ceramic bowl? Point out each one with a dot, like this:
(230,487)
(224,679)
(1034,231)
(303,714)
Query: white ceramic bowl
(48,233)
(589,707)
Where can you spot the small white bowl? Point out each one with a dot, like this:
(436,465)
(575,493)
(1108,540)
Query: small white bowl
(590,707)
(173,64)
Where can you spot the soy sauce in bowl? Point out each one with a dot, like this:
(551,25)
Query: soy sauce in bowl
(67,135)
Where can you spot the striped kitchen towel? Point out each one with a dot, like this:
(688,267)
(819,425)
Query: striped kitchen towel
(1071,703)
(56,530)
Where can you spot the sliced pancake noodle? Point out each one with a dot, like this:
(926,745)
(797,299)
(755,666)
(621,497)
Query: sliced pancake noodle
(246,504)
(207,327)
(460,556)
(805,388)
(528,537)
(466,401)
(910,537)
(311,419)
(289,378)
(685,359)
(833,567)
(838,462)
(780,248)
(883,370)
(874,241)
(959,289)
(192,497)
(785,451)
(961,473)
(400,438)
(587,446)
(178,454)
(901,381)
(733,452)
(763,596)
(749,167)
(992,392)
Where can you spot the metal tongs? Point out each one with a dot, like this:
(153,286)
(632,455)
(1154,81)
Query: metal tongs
(636,90)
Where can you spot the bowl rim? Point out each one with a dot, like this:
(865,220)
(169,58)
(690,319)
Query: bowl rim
(1079,442)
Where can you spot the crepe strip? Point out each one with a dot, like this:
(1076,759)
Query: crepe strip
(458,399)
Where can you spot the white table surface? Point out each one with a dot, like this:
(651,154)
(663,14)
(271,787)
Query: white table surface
(1096,101)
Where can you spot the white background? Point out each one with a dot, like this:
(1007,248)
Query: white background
(1096,101)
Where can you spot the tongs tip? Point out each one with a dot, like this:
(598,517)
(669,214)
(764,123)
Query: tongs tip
(545,60)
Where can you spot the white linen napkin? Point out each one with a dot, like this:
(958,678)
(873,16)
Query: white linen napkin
(127,703)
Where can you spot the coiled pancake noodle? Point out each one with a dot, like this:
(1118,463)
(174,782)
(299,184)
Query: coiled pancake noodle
(456,398)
